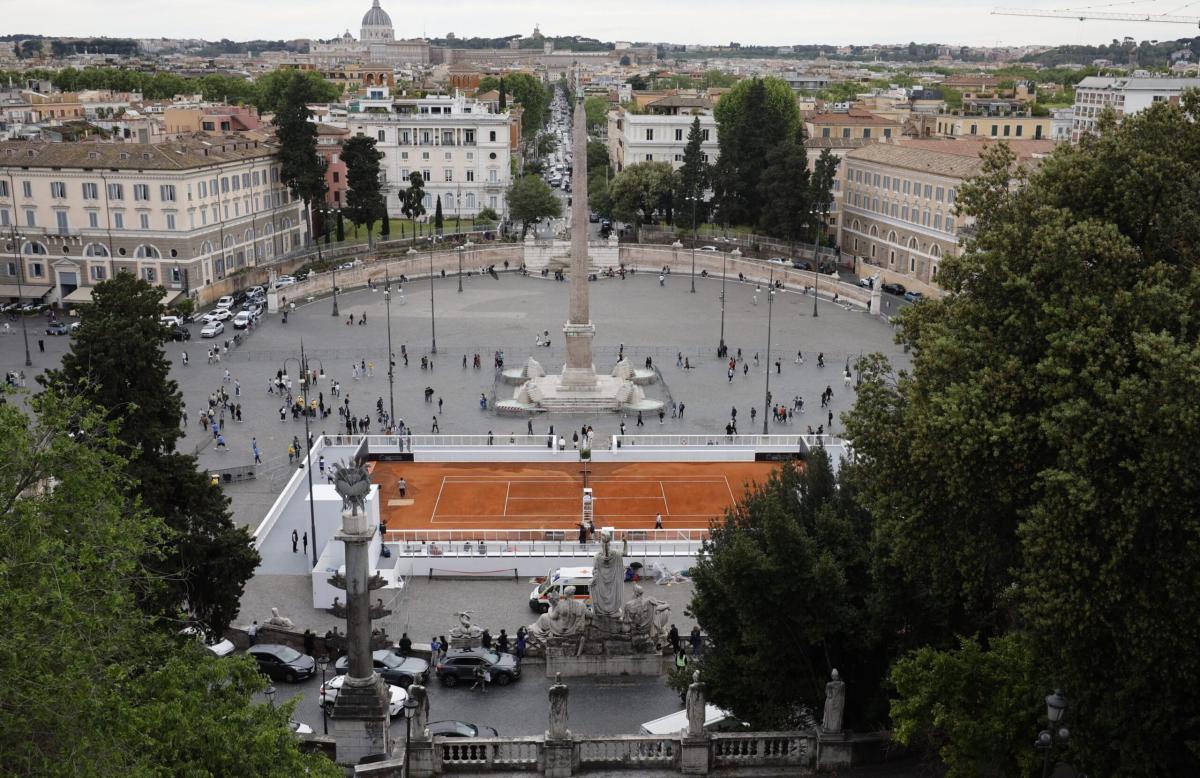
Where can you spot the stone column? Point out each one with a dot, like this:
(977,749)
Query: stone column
(360,713)
(694,755)
(559,748)
(579,372)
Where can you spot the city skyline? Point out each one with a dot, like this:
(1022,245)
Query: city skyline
(759,22)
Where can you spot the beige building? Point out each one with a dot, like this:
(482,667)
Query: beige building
(1002,127)
(181,214)
(849,125)
(898,205)
(660,134)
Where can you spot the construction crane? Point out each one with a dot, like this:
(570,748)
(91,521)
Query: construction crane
(1084,15)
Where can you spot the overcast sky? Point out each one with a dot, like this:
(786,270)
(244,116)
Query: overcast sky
(772,22)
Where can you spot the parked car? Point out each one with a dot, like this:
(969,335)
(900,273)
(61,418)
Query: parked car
(299,727)
(57,328)
(180,333)
(913,297)
(219,646)
(709,248)
(212,329)
(777,261)
(225,302)
(242,320)
(866,283)
(171,321)
(283,281)
(329,692)
(594,217)
(801,264)
(459,665)
(395,669)
(282,663)
(896,289)
(451,728)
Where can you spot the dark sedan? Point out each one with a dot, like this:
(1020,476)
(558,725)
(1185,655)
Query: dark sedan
(460,665)
(396,670)
(896,289)
(459,729)
(282,663)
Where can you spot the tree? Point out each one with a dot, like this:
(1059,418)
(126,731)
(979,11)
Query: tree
(1062,366)
(116,362)
(503,96)
(784,590)
(693,179)
(364,199)
(637,82)
(271,89)
(596,109)
(487,214)
(638,190)
(488,83)
(752,118)
(437,215)
(530,199)
(600,196)
(302,168)
(105,689)
(823,177)
(412,200)
(531,93)
(597,159)
(785,190)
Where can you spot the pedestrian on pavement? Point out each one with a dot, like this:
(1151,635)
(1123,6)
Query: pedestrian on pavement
(519,648)
(695,640)
(662,280)
(310,642)
(640,423)
(435,425)
(252,633)
(254,448)
(439,405)
(185,359)
(661,415)
(673,638)
(529,426)
(485,639)
(304,540)
(778,365)
(680,410)
(405,644)
(221,443)
(295,542)
(434,649)
(502,642)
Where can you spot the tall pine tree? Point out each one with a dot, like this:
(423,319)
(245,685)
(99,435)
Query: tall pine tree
(364,199)
(693,179)
(302,168)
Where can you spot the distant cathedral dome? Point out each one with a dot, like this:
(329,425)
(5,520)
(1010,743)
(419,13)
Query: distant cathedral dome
(377,25)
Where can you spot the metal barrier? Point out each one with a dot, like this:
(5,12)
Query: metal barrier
(229,475)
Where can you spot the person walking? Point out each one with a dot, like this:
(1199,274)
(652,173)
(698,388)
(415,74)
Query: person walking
(439,405)
(681,410)
(778,366)
(402,487)
(185,359)
(695,640)
(519,647)
(673,638)
(295,542)
(661,415)
(640,423)
(252,633)
(529,426)
(254,448)
(658,521)
(435,425)
(304,541)
(502,642)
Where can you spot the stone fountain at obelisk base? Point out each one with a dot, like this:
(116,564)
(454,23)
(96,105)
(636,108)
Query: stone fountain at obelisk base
(579,388)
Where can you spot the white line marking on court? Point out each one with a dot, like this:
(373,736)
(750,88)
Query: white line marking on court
(507,489)
(433,516)
(728,488)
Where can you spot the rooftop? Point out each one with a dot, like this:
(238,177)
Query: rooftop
(194,152)
(853,116)
(946,157)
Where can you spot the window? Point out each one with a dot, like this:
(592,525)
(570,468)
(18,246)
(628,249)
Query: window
(953,193)
(904,213)
(203,189)
(994,128)
(254,177)
(36,269)
(469,137)
(60,217)
(166,193)
(1019,128)
(937,221)
(649,133)
(91,191)
(845,132)
(939,193)
(912,264)
(30,217)
(97,272)
(116,191)
(144,221)
(3,189)
(447,156)
(147,252)
(93,219)
(381,136)
(492,179)
(906,187)
(492,135)
(58,189)
(424,155)
(27,189)
(925,220)
(336,176)
(224,185)
(170,221)
(4,222)
(448,173)
(148,274)
(678,134)
(141,192)
(704,135)
(928,191)
(176,275)
(887,132)
(825,132)
(470,200)
(426,175)
(876,180)
(470,176)
(866,132)
(235,183)
(974,129)
(119,221)
(1006,130)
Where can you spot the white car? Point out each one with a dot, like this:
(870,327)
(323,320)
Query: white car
(225,302)
(218,646)
(217,314)
(709,248)
(299,727)
(171,321)
(329,692)
(283,281)
(242,320)
(212,329)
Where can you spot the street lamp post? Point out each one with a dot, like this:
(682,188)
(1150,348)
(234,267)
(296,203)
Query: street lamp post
(387,302)
(432,309)
(695,195)
(20,292)
(1056,706)
(335,308)
(323,663)
(816,290)
(767,388)
(302,365)
(460,263)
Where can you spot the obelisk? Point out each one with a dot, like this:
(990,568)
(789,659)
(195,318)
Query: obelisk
(579,373)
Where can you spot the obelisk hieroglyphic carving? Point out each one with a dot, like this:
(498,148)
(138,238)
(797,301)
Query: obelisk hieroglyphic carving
(579,372)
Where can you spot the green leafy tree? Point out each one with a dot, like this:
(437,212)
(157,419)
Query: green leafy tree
(693,180)
(302,168)
(503,96)
(638,191)
(975,707)
(752,118)
(105,689)
(823,177)
(437,215)
(596,109)
(785,191)
(532,94)
(364,198)
(1038,460)
(784,591)
(600,196)
(271,89)
(488,83)
(597,160)
(487,214)
(637,82)
(116,362)
(530,199)
(412,200)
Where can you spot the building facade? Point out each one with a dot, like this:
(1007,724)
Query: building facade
(181,214)
(1000,126)
(1125,96)
(376,43)
(661,133)
(461,149)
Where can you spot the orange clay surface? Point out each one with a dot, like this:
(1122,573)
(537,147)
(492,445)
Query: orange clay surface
(537,495)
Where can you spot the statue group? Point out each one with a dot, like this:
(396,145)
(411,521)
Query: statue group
(635,627)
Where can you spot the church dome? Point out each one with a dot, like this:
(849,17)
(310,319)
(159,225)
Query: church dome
(376,17)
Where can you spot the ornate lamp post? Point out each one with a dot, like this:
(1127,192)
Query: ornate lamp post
(460,264)
(335,308)
(323,663)
(735,254)
(767,389)
(270,692)
(302,366)
(16,243)
(387,302)
(1056,706)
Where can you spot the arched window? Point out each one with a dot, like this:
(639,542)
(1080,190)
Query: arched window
(935,250)
(34,248)
(95,250)
(854,226)
(891,237)
(228,241)
(146,251)
(206,247)
(249,236)
(874,232)
(912,243)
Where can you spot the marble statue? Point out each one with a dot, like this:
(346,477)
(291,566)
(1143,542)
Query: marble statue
(558,710)
(695,706)
(466,634)
(353,485)
(647,616)
(566,619)
(835,704)
(279,621)
(608,577)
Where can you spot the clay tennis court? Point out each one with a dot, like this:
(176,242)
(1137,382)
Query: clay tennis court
(536,495)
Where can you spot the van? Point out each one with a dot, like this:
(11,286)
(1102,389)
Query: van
(557,580)
(715,720)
